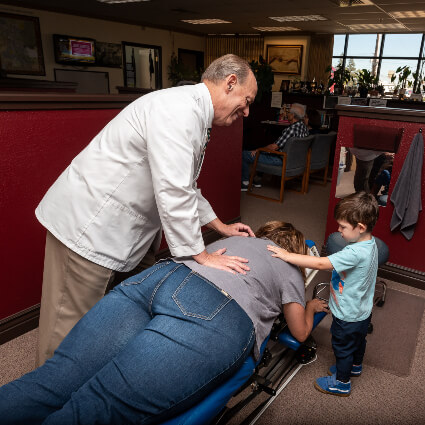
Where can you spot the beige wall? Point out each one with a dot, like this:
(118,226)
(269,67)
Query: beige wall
(106,31)
(303,40)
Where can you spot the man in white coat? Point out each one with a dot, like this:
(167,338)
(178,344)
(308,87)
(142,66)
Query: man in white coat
(105,213)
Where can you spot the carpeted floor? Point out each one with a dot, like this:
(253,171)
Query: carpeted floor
(391,346)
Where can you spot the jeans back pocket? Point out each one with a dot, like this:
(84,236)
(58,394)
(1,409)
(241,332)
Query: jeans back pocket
(198,297)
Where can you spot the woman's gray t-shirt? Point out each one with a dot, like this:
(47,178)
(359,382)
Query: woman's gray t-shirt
(269,284)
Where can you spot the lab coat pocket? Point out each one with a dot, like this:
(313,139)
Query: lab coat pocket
(116,229)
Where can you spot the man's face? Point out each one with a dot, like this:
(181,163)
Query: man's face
(235,103)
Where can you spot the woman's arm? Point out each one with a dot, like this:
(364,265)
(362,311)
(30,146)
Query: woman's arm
(300,319)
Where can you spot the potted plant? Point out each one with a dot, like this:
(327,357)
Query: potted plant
(366,81)
(264,76)
(178,72)
(339,76)
(402,73)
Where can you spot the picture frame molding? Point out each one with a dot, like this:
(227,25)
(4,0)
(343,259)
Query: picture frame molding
(37,45)
(297,53)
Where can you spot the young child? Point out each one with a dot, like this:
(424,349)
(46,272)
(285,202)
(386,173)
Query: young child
(352,287)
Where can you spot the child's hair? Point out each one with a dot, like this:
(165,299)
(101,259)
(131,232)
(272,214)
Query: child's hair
(359,207)
(286,236)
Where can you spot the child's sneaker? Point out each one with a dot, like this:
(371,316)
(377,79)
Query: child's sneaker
(330,385)
(356,370)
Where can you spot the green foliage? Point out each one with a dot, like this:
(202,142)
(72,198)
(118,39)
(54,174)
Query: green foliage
(402,73)
(340,76)
(264,76)
(178,72)
(366,79)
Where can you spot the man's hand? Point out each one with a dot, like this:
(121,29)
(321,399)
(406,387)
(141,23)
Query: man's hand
(217,260)
(235,229)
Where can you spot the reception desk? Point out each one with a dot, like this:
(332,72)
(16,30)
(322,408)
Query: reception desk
(406,263)
(40,135)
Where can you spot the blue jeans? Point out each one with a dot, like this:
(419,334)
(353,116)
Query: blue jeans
(349,345)
(154,346)
(265,158)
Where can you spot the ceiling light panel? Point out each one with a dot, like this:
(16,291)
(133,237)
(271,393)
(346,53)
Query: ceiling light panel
(409,14)
(276,29)
(298,18)
(205,21)
(394,26)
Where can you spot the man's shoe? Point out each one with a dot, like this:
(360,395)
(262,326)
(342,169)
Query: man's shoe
(355,370)
(257,181)
(244,187)
(330,385)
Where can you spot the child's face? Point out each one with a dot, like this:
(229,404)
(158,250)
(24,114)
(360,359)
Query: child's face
(350,233)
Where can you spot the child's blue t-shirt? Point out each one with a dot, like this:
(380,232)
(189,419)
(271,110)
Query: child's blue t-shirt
(353,281)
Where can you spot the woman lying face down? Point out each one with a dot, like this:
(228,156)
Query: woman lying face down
(165,338)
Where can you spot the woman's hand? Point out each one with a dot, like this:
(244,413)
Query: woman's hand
(318,305)
(278,252)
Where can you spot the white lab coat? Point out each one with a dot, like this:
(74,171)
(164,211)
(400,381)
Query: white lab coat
(136,176)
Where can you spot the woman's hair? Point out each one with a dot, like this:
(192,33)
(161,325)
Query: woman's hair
(284,235)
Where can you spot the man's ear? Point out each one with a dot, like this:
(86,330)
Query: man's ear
(362,227)
(231,80)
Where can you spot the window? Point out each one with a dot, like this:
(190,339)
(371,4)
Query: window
(381,54)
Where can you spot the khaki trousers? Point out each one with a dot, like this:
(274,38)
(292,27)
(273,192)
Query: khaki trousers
(72,285)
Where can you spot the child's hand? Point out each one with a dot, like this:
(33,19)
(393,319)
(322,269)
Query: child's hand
(278,252)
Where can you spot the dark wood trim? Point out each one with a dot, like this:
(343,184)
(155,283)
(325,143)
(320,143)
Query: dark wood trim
(400,275)
(26,320)
(16,325)
(31,101)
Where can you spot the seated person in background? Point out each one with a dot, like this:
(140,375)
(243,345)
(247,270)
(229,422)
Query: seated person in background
(297,128)
(313,121)
(162,340)
(381,184)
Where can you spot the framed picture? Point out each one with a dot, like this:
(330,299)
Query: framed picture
(108,54)
(20,45)
(285,59)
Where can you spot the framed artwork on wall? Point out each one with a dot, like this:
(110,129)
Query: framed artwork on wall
(21,50)
(108,54)
(285,59)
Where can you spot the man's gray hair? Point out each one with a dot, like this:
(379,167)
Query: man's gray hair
(298,110)
(225,65)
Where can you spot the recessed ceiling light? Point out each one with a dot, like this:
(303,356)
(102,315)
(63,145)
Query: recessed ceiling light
(121,1)
(376,26)
(205,21)
(409,14)
(276,29)
(298,18)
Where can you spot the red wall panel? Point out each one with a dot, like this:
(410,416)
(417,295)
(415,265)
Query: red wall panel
(36,146)
(402,252)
